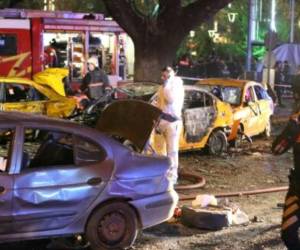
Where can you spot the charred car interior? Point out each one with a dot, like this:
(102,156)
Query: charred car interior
(20,93)
(199,114)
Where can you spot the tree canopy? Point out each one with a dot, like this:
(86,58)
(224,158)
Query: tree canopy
(158,27)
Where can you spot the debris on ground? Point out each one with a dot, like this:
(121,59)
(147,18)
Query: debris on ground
(239,217)
(206,214)
(204,200)
(210,218)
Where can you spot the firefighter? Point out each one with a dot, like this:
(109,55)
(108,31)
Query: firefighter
(95,75)
(290,138)
(170,100)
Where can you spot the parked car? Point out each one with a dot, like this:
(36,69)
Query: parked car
(207,120)
(251,104)
(60,178)
(21,94)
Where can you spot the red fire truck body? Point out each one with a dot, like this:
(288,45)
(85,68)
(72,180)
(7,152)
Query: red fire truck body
(22,48)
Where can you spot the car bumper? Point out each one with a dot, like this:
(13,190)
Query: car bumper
(156,209)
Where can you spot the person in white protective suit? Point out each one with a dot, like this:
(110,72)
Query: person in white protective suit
(170,98)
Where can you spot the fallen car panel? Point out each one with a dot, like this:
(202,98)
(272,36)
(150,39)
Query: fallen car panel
(53,78)
(123,119)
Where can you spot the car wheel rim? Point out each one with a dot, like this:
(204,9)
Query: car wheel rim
(217,144)
(112,228)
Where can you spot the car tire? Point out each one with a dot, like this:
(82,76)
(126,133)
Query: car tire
(112,226)
(217,143)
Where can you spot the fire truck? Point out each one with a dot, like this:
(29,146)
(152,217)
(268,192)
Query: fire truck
(32,40)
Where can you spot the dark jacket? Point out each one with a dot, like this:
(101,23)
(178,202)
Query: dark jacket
(95,76)
(290,138)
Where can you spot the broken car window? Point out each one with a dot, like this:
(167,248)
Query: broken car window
(228,94)
(261,93)
(231,95)
(87,152)
(21,93)
(6,138)
(197,99)
(45,148)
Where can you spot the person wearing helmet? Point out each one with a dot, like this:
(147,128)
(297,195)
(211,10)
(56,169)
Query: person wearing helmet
(95,76)
(170,98)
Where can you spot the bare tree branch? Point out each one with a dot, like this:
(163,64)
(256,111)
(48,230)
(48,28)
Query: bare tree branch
(199,11)
(124,14)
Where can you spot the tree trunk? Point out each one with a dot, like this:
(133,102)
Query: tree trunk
(156,39)
(151,59)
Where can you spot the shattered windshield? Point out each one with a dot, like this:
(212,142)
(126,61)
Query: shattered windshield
(228,94)
(139,89)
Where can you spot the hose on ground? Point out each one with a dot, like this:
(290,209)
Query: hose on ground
(238,194)
(199,182)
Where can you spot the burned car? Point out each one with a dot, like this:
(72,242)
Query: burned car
(252,106)
(21,94)
(59,178)
(207,121)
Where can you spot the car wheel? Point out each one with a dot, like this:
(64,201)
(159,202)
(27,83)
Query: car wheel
(217,143)
(112,226)
(237,142)
(267,131)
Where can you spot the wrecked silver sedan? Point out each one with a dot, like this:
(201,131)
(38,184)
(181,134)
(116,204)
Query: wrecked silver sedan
(59,178)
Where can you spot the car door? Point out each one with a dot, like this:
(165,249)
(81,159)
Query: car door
(8,150)
(23,98)
(251,113)
(199,113)
(60,176)
(265,105)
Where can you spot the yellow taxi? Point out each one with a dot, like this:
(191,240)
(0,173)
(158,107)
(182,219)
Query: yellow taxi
(21,94)
(207,123)
(251,104)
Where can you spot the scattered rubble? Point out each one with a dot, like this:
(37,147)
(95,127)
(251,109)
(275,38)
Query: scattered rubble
(210,219)
(205,213)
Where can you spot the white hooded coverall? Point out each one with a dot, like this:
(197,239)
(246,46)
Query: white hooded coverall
(170,100)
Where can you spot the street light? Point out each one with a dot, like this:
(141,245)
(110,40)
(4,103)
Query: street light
(192,33)
(232,16)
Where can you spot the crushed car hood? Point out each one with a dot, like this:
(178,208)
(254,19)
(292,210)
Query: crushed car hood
(53,78)
(129,119)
